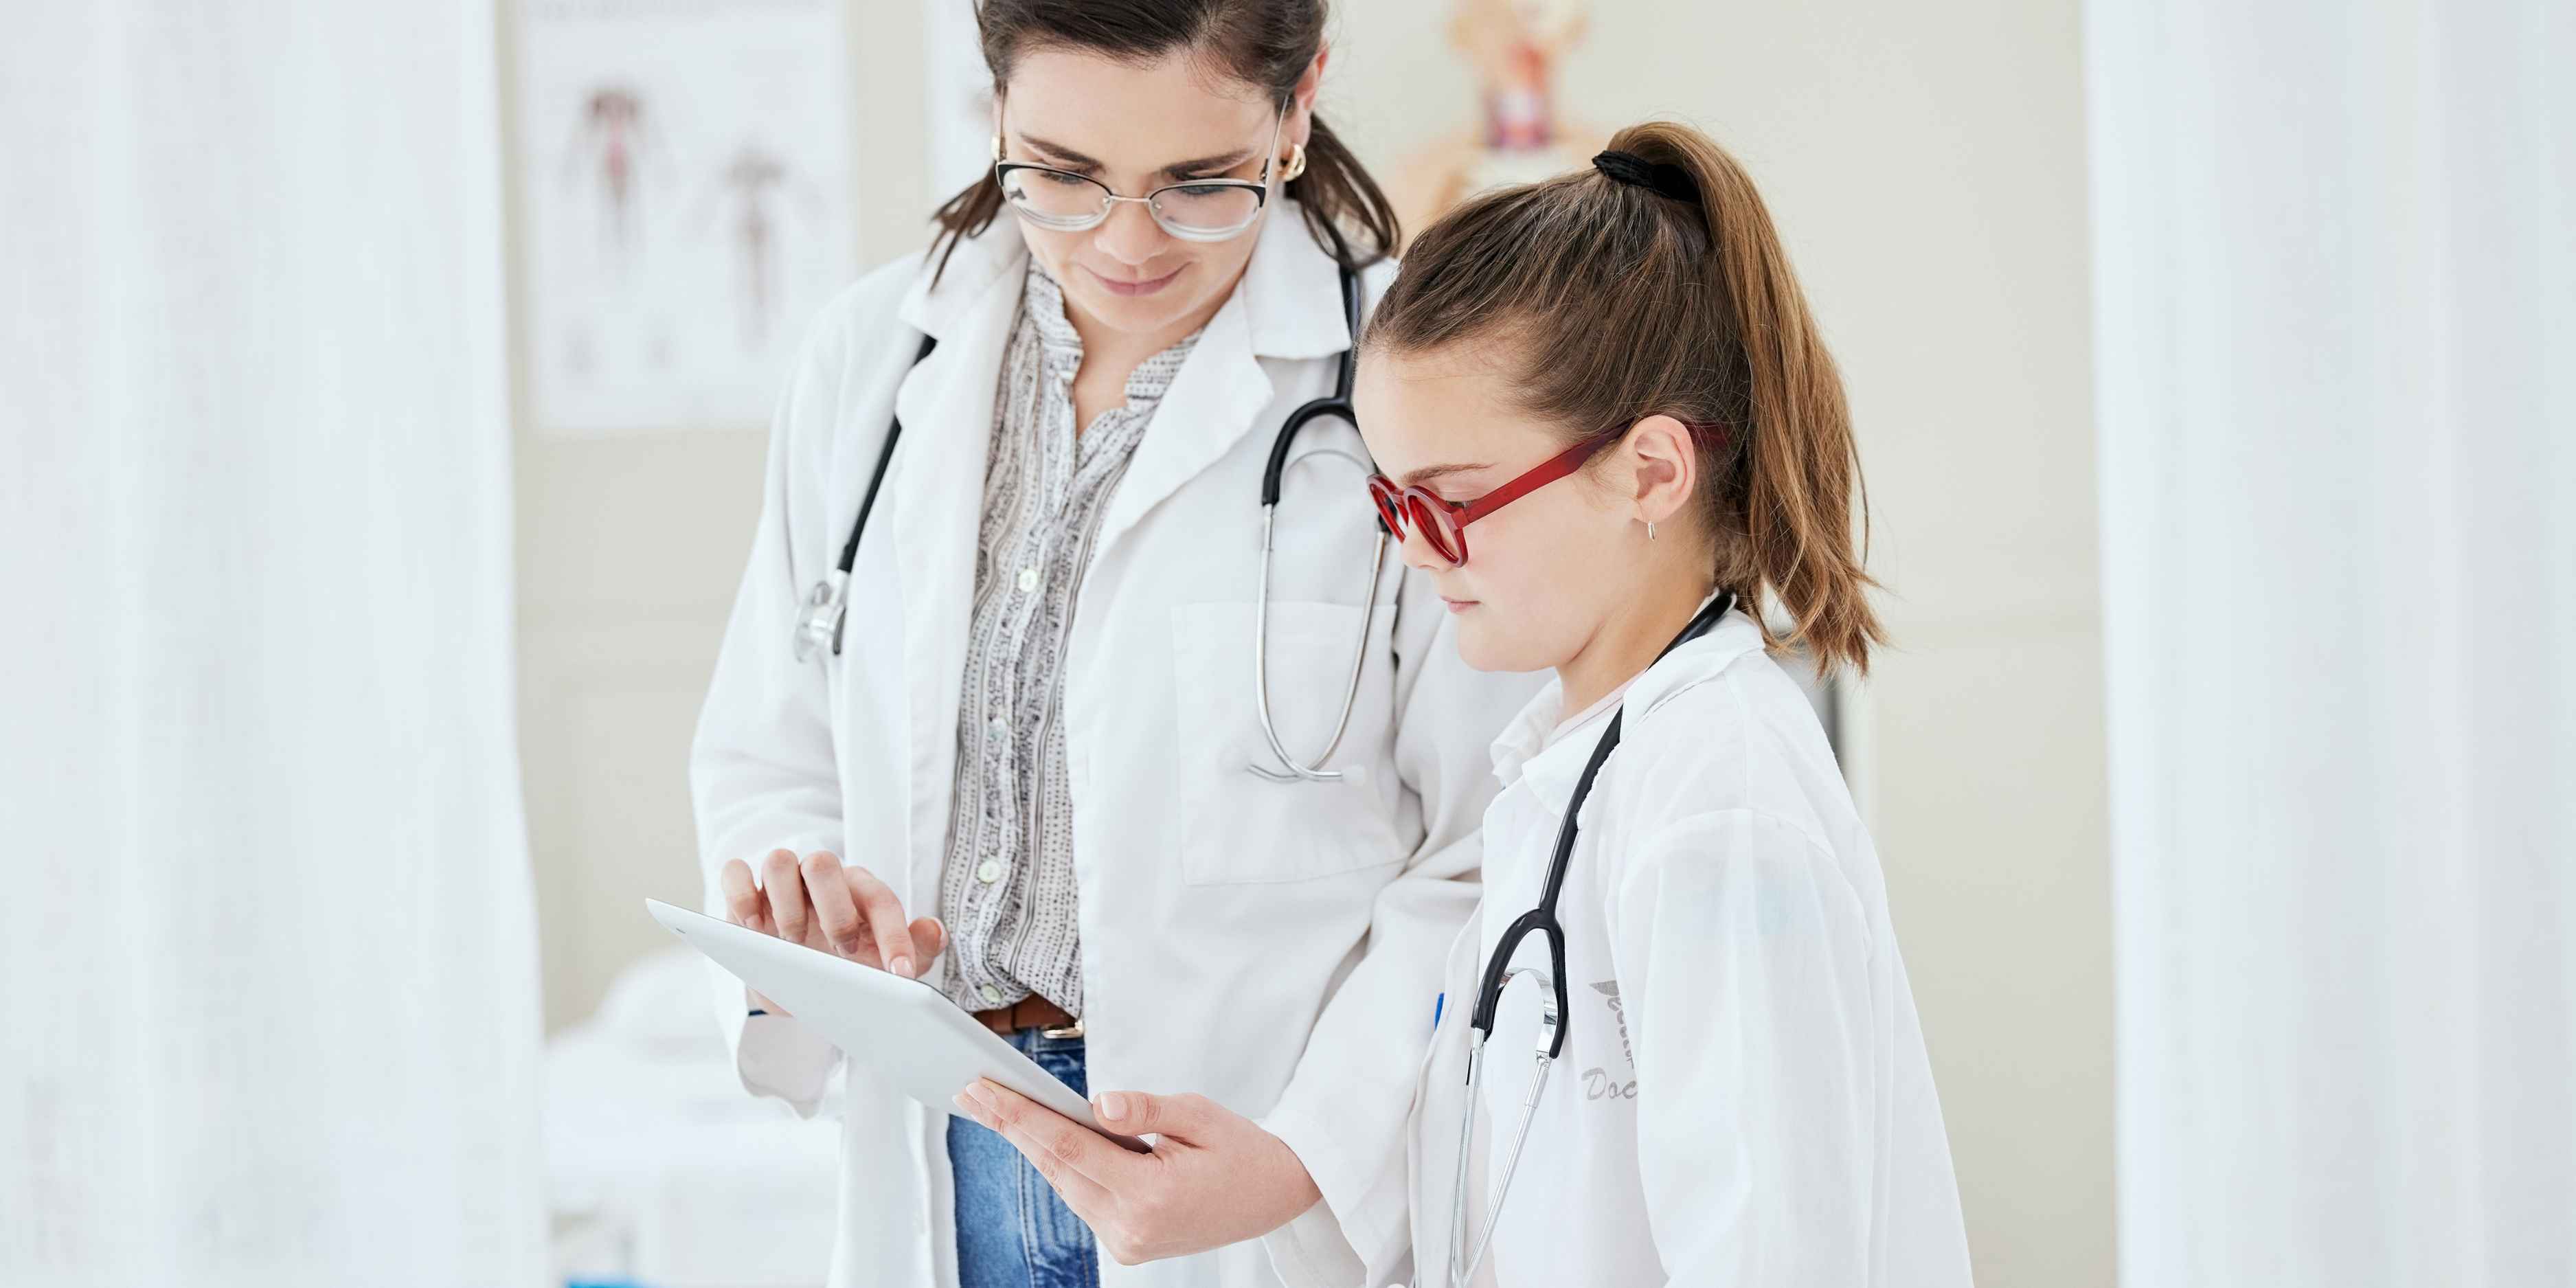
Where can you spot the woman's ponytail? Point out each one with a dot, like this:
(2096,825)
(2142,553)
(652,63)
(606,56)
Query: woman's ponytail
(1337,193)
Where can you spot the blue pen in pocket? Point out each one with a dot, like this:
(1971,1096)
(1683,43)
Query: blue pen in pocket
(1436,1004)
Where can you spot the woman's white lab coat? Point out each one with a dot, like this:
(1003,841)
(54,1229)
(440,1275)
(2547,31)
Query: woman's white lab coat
(1743,1096)
(1271,946)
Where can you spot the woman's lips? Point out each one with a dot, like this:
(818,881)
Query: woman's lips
(1458,605)
(1147,287)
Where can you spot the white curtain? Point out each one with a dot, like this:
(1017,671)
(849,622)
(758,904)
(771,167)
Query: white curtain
(267,976)
(2336,332)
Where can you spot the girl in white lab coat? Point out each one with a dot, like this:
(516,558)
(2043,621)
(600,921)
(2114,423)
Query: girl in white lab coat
(1605,422)
(1742,1096)
(1028,765)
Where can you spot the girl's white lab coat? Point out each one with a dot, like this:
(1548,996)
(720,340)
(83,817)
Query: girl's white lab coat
(1743,1096)
(1274,947)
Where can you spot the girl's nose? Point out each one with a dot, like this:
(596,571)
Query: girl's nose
(1419,553)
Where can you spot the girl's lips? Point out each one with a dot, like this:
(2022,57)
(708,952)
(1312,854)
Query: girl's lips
(1146,287)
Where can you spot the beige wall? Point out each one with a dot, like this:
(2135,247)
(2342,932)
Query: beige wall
(1926,165)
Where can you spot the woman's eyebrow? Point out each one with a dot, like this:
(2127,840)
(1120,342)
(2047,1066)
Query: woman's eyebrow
(1205,165)
(1222,161)
(1061,152)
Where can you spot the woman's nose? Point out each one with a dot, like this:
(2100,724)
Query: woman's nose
(1130,235)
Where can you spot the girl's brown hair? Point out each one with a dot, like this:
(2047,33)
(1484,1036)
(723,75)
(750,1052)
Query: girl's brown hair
(1267,43)
(1617,301)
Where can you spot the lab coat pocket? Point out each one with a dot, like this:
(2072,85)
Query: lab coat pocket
(1237,826)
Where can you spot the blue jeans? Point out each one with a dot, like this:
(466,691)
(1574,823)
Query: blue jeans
(1012,1230)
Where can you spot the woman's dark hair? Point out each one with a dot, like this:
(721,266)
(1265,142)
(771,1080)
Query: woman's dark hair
(1267,43)
(1653,282)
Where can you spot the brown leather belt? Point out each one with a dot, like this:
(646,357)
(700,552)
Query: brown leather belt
(1031,1012)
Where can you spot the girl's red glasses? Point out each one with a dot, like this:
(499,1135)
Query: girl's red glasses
(1444,523)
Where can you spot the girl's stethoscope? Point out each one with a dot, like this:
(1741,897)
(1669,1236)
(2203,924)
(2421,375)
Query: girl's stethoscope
(1555,1006)
(827,607)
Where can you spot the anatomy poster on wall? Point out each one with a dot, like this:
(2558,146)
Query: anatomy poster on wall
(685,180)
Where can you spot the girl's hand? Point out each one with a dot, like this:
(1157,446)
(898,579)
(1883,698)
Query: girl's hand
(1214,1176)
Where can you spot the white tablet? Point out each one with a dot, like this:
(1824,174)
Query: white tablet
(907,1031)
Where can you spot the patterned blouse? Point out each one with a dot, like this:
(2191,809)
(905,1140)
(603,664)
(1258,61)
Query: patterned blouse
(1006,893)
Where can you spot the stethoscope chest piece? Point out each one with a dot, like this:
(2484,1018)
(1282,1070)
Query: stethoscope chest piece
(818,627)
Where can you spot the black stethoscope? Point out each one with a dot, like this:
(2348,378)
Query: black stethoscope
(826,605)
(1499,973)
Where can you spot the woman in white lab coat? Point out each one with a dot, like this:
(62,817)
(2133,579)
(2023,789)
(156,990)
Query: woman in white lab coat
(1072,637)
(1609,431)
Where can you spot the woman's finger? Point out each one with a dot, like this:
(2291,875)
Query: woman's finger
(741,895)
(784,888)
(930,937)
(835,911)
(886,922)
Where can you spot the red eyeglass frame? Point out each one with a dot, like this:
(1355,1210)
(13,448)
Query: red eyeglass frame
(1444,522)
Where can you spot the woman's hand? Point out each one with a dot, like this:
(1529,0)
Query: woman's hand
(1214,1177)
(823,905)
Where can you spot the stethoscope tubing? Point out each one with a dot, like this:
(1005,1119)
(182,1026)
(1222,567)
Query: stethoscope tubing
(825,614)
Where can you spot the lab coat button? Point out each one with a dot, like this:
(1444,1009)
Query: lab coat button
(989,871)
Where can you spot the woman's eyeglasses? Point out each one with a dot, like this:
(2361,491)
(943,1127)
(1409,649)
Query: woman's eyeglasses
(1199,210)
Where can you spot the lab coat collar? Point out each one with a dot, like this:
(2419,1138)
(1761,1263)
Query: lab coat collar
(936,310)
(1734,636)
(1526,735)
(1524,751)
(1290,293)
(1532,751)
(1292,290)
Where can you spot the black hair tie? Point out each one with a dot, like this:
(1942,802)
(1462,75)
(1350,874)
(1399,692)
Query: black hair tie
(1636,171)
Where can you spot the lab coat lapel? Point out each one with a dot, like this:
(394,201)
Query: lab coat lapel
(1288,305)
(937,487)
(1211,403)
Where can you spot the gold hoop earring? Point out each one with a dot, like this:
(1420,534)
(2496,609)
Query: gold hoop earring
(1296,163)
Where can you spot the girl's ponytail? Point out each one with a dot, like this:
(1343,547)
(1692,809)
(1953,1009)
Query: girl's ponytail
(1800,482)
(1655,282)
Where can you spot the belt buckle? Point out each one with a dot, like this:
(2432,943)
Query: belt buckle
(1073,1030)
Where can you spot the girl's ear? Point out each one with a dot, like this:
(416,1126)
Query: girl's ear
(1660,461)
